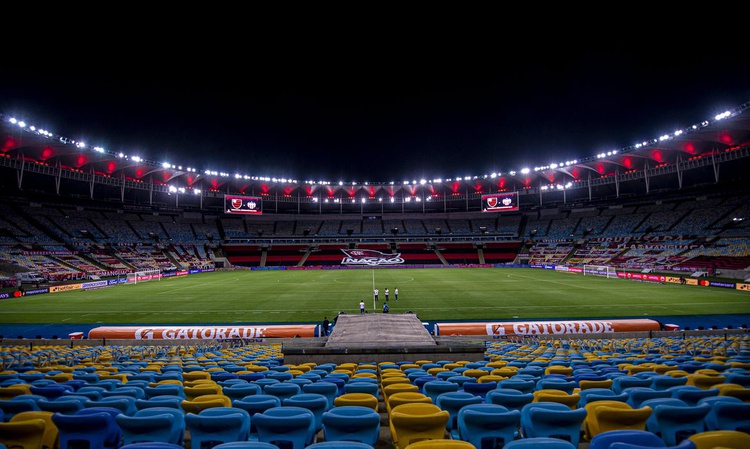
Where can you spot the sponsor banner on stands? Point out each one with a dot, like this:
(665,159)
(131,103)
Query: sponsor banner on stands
(642,276)
(707,283)
(36,291)
(97,284)
(201,332)
(64,288)
(4,295)
(744,287)
(523,328)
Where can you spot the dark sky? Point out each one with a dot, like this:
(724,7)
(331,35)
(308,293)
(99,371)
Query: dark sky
(382,116)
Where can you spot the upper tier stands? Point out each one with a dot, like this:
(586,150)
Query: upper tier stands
(693,233)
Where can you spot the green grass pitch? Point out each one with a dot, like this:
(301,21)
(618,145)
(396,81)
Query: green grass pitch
(434,294)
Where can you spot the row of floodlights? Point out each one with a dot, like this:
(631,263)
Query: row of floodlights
(167,165)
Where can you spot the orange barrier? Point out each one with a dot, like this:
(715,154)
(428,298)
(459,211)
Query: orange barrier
(548,327)
(201,332)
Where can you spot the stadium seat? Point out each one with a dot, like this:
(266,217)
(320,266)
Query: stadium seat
(539,443)
(480,424)
(50,437)
(725,439)
(351,423)
(417,421)
(453,402)
(286,425)
(551,419)
(26,434)
(315,402)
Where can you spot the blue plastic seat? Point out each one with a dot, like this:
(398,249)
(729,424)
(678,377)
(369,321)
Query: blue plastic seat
(555,383)
(246,445)
(18,404)
(159,401)
(479,388)
(363,387)
(282,390)
(339,382)
(126,404)
(636,395)
(66,404)
(94,429)
(328,389)
(240,390)
(522,385)
(222,427)
(604,440)
(436,388)
(137,429)
(286,425)
(509,398)
(691,394)
(539,443)
(481,424)
(619,384)
(175,433)
(316,403)
(51,391)
(728,415)
(453,402)
(165,390)
(552,419)
(339,445)
(685,444)
(651,424)
(136,392)
(351,423)
(254,404)
(665,381)
(676,422)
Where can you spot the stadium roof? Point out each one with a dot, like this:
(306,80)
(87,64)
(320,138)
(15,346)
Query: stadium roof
(711,142)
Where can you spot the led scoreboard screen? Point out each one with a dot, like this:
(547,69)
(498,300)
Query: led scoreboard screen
(246,205)
(500,202)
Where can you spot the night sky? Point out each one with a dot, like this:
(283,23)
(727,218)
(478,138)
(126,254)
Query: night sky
(403,115)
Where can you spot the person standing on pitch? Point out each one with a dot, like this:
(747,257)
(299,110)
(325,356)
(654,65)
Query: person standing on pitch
(375,293)
(395,293)
(361,307)
(326,323)
(386,294)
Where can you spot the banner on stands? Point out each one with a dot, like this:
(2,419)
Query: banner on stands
(523,328)
(201,332)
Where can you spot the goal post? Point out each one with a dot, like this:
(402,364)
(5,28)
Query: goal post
(600,270)
(144,276)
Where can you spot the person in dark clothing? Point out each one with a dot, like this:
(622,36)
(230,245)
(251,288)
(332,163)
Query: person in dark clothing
(326,323)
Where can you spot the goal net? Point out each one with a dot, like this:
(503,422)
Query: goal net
(600,270)
(144,276)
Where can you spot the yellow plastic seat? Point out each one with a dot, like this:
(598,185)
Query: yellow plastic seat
(441,444)
(50,438)
(724,439)
(475,373)
(360,399)
(200,390)
(417,422)
(602,418)
(27,434)
(195,375)
(205,401)
(704,381)
(590,426)
(406,397)
(585,384)
(559,369)
(571,400)
(398,388)
(12,391)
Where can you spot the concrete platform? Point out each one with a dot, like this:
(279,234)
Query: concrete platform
(378,330)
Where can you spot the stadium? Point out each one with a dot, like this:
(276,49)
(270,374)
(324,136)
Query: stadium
(563,283)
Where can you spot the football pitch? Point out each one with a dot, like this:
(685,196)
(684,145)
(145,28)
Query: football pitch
(434,294)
